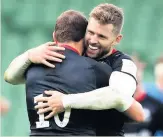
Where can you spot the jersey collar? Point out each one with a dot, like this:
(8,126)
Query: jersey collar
(113,51)
(70,48)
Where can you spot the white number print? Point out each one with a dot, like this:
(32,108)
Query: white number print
(65,120)
(42,123)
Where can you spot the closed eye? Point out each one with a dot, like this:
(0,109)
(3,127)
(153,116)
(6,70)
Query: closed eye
(90,32)
(102,36)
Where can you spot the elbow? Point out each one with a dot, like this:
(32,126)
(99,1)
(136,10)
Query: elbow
(8,78)
(136,112)
(141,116)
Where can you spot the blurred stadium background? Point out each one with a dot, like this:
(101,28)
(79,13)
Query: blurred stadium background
(28,23)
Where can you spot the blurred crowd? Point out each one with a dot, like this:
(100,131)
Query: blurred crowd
(4,105)
(150,95)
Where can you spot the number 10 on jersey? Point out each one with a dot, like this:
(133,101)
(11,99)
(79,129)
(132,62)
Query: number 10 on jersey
(41,123)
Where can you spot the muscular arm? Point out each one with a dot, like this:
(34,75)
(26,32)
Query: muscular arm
(105,98)
(98,99)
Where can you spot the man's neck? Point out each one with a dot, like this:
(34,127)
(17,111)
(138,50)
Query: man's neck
(75,45)
(109,53)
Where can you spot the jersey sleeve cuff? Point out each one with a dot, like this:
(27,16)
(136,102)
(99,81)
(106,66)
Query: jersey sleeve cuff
(66,100)
(126,102)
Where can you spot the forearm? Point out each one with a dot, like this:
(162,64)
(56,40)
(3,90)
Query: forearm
(99,99)
(136,112)
(15,72)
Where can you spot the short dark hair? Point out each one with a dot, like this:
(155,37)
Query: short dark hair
(109,14)
(70,26)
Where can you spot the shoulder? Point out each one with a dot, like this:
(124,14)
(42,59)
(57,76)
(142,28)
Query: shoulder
(124,72)
(123,63)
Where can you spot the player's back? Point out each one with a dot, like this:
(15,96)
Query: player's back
(76,74)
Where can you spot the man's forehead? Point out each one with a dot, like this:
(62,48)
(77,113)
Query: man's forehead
(96,27)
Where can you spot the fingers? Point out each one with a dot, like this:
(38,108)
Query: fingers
(50,54)
(50,115)
(55,54)
(56,48)
(40,106)
(49,92)
(41,99)
(48,64)
(51,58)
(41,111)
(51,43)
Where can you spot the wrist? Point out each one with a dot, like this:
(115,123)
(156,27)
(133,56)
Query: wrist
(66,101)
(29,55)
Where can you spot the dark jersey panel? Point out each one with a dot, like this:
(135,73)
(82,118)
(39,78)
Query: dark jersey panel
(110,122)
(75,75)
(115,60)
(102,72)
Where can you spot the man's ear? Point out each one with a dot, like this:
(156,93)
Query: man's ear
(118,39)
